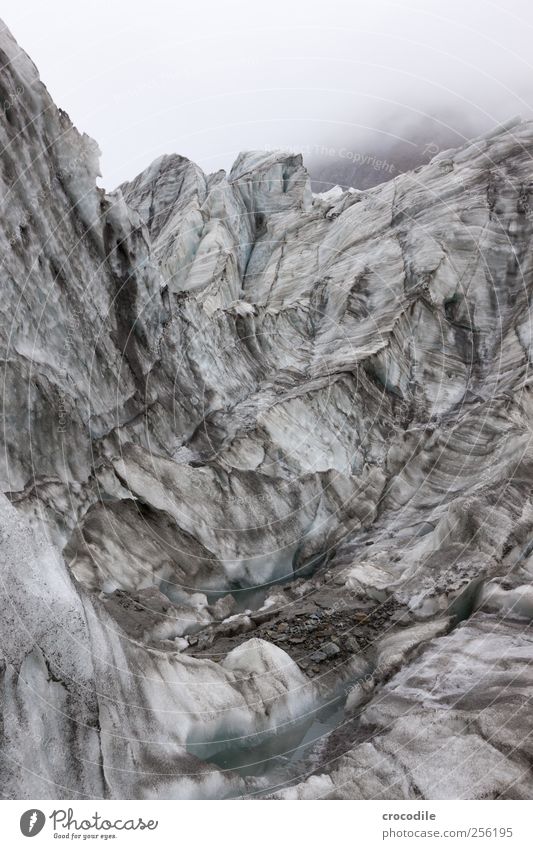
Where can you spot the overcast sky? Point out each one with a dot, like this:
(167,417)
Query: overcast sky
(207,79)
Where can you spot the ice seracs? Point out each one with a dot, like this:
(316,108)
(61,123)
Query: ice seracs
(266,452)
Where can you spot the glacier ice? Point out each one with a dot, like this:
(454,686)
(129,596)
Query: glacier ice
(266,454)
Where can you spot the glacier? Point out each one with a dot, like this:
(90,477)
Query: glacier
(266,481)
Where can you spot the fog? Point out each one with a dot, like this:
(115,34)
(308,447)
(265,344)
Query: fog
(208,79)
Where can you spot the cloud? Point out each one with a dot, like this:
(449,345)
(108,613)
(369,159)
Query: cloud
(209,79)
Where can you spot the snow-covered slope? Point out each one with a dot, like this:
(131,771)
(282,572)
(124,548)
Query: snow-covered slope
(265,450)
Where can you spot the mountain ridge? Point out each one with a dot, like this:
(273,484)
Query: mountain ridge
(268,450)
